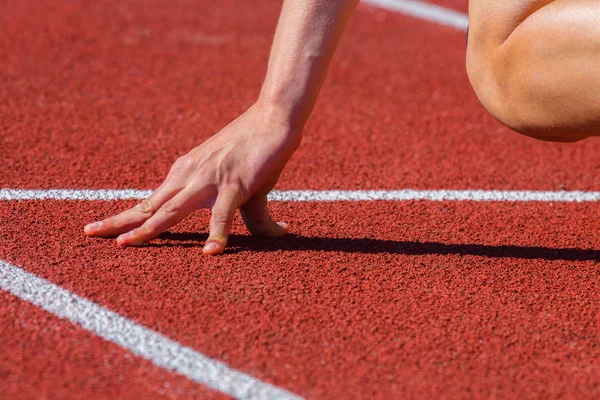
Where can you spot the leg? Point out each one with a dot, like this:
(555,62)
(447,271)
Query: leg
(535,65)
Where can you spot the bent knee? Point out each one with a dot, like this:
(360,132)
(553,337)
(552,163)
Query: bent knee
(528,84)
(519,101)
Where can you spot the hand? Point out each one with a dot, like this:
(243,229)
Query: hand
(236,168)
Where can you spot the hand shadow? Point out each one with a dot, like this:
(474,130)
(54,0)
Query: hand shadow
(291,242)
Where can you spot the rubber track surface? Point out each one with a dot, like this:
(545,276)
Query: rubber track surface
(107,94)
(410,300)
(44,357)
(364,300)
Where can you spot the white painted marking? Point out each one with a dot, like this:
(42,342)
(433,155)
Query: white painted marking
(325,195)
(434,195)
(426,11)
(160,350)
(76,194)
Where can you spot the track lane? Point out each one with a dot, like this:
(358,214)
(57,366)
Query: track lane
(161,351)
(407,299)
(110,103)
(43,356)
(450,305)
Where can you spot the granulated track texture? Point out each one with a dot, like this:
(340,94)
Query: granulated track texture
(412,299)
(362,300)
(108,94)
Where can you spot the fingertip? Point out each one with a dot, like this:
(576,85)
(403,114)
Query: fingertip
(278,229)
(125,239)
(91,229)
(213,248)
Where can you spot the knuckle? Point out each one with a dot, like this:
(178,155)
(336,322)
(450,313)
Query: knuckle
(145,207)
(183,164)
(170,207)
(178,162)
(229,180)
(219,218)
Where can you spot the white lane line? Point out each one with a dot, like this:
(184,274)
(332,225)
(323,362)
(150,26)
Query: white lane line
(325,195)
(73,194)
(160,350)
(435,195)
(426,11)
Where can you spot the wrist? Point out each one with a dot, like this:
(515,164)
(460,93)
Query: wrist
(289,115)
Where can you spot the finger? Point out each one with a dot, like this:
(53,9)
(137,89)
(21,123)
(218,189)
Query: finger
(171,213)
(258,220)
(221,218)
(136,216)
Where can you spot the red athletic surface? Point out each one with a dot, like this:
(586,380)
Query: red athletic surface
(44,357)
(107,94)
(365,300)
(457,5)
(411,299)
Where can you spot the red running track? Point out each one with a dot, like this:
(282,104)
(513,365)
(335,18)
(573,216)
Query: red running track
(43,356)
(417,299)
(107,95)
(457,5)
(365,300)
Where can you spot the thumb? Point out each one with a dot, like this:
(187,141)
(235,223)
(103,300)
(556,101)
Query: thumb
(222,215)
(258,220)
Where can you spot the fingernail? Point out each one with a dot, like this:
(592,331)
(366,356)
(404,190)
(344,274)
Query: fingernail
(210,246)
(283,225)
(91,227)
(123,238)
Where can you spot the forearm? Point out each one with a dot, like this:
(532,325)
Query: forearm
(306,38)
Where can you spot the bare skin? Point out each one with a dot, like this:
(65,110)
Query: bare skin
(534,64)
(238,167)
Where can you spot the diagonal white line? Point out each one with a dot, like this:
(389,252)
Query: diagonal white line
(324,195)
(160,350)
(426,11)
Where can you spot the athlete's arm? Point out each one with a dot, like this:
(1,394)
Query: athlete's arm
(237,167)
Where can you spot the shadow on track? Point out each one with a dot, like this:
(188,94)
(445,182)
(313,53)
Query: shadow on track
(242,243)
